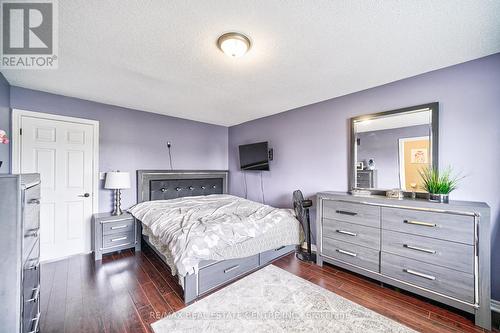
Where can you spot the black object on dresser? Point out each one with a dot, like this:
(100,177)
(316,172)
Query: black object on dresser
(112,233)
(20,253)
(440,251)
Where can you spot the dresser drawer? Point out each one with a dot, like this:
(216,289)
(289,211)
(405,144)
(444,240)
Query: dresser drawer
(118,239)
(31,218)
(32,260)
(33,193)
(352,233)
(31,285)
(353,254)
(31,274)
(450,227)
(352,212)
(268,256)
(442,280)
(31,318)
(120,226)
(224,271)
(430,250)
(31,288)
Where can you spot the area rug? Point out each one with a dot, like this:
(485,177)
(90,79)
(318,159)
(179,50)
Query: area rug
(273,300)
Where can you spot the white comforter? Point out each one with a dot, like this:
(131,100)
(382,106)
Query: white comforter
(203,227)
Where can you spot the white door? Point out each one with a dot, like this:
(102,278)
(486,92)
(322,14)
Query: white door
(63,153)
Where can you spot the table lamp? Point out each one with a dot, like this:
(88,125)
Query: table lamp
(116,180)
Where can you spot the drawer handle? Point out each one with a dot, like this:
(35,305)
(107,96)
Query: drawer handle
(34,202)
(344,212)
(280,248)
(421,249)
(37,321)
(231,269)
(346,232)
(352,254)
(32,233)
(422,275)
(37,294)
(118,239)
(33,267)
(424,224)
(119,227)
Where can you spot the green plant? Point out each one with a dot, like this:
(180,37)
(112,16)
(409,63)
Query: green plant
(436,182)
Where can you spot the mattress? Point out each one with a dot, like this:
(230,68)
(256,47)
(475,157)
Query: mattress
(192,230)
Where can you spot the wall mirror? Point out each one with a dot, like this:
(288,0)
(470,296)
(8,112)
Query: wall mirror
(389,148)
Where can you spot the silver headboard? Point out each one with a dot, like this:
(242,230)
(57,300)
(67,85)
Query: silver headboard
(168,184)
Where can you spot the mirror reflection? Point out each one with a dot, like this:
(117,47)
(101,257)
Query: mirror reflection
(391,149)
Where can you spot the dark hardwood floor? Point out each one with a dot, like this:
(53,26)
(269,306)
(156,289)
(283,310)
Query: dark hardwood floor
(126,292)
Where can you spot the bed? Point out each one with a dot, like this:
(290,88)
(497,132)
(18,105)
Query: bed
(161,188)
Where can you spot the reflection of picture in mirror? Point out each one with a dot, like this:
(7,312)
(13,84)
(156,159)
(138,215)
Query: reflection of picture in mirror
(413,156)
(419,156)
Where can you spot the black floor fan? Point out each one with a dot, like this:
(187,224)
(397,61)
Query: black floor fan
(301,207)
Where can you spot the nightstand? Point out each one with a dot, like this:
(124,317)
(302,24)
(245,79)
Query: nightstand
(114,233)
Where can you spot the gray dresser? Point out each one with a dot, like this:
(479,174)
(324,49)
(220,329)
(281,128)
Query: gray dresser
(440,251)
(19,250)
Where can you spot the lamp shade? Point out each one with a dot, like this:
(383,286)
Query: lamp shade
(117,180)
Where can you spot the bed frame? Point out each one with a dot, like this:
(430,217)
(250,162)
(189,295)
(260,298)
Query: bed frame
(167,184)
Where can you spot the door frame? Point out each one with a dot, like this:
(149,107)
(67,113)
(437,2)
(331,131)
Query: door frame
(17,114)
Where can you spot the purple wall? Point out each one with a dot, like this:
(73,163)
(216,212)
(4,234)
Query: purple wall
(4,122)
(130,140)
(311,143)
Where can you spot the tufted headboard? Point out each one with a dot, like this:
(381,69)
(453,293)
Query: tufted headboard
(167,184)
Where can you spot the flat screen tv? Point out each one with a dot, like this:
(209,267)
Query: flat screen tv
(254,156)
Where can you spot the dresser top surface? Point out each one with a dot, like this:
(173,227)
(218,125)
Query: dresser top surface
(417,203)
(108,216)
(27,179)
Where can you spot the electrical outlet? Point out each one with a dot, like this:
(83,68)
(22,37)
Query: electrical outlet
(169,144)
(102,175)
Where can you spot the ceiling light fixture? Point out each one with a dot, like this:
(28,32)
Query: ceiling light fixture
(234,44)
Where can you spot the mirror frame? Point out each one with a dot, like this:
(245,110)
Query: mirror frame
(434,107)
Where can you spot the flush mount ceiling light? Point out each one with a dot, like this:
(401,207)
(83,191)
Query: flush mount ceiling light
(234,44)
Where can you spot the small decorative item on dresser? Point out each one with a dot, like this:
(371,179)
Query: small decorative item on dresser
(395,194)
(117,181)
(439,184)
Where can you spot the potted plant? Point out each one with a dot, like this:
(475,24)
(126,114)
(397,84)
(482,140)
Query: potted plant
(439,184)
(3,140)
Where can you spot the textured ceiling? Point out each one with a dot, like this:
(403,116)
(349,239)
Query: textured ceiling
(160,56)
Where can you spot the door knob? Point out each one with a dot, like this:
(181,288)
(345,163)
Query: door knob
(86,195)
